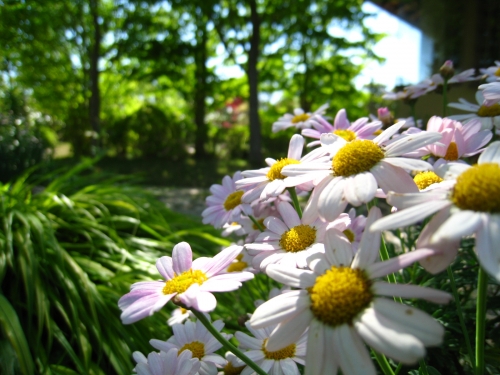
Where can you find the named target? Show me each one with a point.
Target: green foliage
(68, 252)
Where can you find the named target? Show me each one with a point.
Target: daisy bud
(447, 70)
(385, 116)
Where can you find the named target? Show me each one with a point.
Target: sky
(401, 48)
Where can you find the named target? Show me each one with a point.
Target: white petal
(317, 350)
(182, 257)
(289, 331)
(411, 291)
(331, 201)
(397, 263)
(412, 142)
(282, 307)
(410, 320)
(289, 215)
(338, 249)
(487, 240)
(369, 246)
(295, 147)
(391, 178)
(408, 216)
(491, 154)
(293, 277)
(275, 225)
(402, 201)
(360, 188)
(352, 354)
(409, 164)
(459, 224)
(385, 338)
(388, 133)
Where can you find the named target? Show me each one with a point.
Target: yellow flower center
(348, 135)
(497, 72)
(356, 157)
(298, 238)
(237, 266)
(196, 347)
(451, 152)
(425, 179)
(300, 118)
(233, 200)
(350, 235)
(261, 222)
(275, 171)
(339, 295)
(478, 188)
(183, 310)
(378, 132)
(287, 352)
(181, 283)
(229, 369)
(491, 111)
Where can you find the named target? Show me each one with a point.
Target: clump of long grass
(70, 245)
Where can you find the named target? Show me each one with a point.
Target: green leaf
(12, 329)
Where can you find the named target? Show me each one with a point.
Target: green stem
(456, 297)
(482, 284)
(384, 255)
(257, 224)
(295, 200)
(383, 363)
(226, 344)
(398, 369)
(445, 96)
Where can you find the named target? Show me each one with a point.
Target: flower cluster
(309, 222)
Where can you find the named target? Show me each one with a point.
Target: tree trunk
(255, 156)
(200, 91)
(95, 98)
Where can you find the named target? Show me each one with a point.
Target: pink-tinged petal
(201, 301)
(268, 246)
(226, 282)
(385, 338)
(280, 308)
(338, 248)
(458, 225)
(216, 359)
(295, 147)
(291, 276)
(409, 164)
(341, 121)
(222, 260)
(368, 252)
(391, 178)
(144, 307)
(318, 350)
(402, 201)
(164, 266)
(331, 201)
(289, 215)
(200, 263)
(409, 320)
(265, 258)
(412, 142)
(487, 240)
(273, 189)
(397, 263)
(408, 216)
(275, 225)
(289, 331)
(254, 193)
(476, 141)
(147, 288)
(360, 188)
(388, 133)
(182, 257)
(382, 288)
(352, 354)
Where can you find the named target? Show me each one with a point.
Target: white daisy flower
(359, 129)
(300, 119)
(489, 116)
(166, 363)
(225, 204)
(342, 304)
(288, 241)
(194, 337)
(232, 366)
(470, 201)
(492, 73)
(358, 168)
(268, 182)
(278, 362)
(491, 93)
(179, 315)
